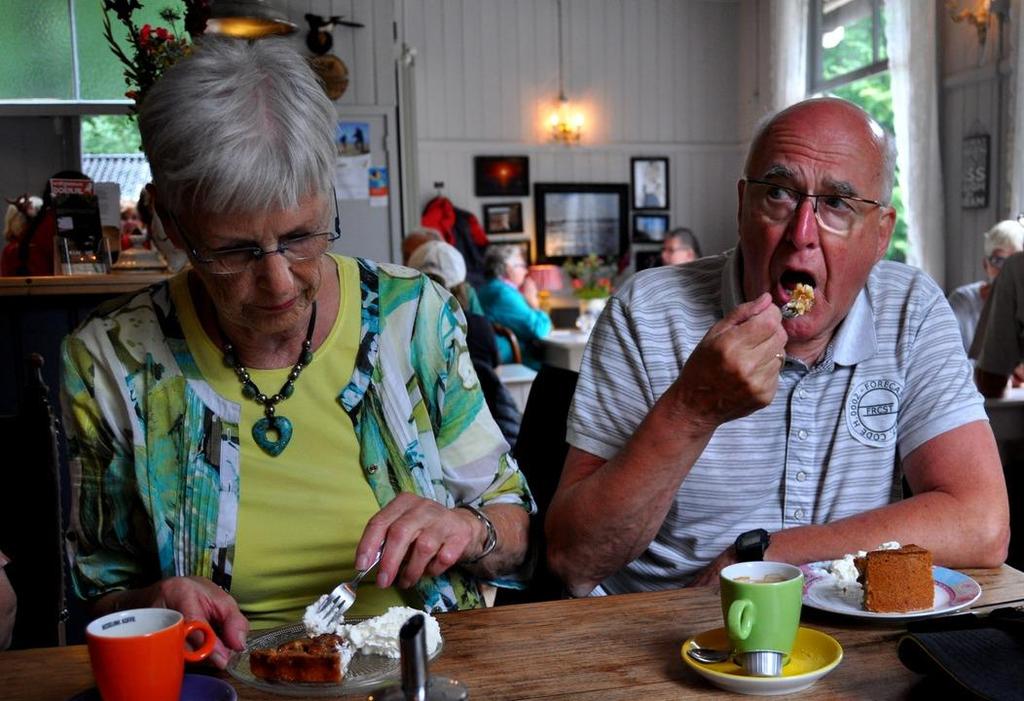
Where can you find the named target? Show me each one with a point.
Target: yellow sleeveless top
(300, 514)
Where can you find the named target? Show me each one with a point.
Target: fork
(343, 596)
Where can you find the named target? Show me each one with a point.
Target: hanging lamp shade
(248, 19)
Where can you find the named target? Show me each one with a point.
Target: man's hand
(196, 598)
(734, 370)
(422, 537)
(709, 575)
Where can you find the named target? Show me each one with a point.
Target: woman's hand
(196, 598)
(530, 293)
(422, 537)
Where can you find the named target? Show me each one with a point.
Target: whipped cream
(379, 635)
(845, 572)
(374, 636)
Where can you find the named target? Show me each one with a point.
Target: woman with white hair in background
(509, 297)
(1001, 241)
(251, 432)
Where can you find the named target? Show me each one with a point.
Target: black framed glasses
(837, 214)
(232, 261)
(996, 261)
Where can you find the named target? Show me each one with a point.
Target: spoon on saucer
(707, 655)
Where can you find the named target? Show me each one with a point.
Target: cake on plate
(323, 658)
(897, 580)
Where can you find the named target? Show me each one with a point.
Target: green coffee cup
(761, 606)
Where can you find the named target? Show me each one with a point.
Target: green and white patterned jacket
(155, 452)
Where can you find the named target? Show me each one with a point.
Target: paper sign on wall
(351, 176)
(378, 186)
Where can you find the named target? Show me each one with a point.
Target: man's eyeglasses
(837, 214)
(231, 261)
(996, 261)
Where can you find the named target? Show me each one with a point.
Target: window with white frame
(847, 58)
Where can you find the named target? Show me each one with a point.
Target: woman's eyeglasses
(232, 261)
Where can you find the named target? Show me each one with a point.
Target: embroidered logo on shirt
(872, 410)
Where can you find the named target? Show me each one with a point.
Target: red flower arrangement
(152, 49)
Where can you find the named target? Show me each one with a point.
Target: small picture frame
(650, 227)
(646, 259)
(649, 182)
(504, 218)
(501, 176)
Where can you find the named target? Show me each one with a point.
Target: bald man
(707, 429)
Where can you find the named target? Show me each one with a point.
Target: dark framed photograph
(649, 180)
(505, 218)
(502, 176)
(650, 227)
(646, 259)
(577, 219)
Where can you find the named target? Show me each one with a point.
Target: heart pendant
(262, 428)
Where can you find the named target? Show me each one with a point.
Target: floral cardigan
(155, 451)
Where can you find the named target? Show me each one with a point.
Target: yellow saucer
(815, 654)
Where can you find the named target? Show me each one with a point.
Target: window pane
(847, 48)
(107, 133)
(874, 94)
(102, 74)
(36, 41)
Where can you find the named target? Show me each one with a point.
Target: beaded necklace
(271, 421)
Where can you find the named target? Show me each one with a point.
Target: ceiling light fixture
(565, 122)
(248, 19)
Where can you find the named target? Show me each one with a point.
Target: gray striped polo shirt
(894, 376)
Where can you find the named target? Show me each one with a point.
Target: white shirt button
(802, 434)
(802, 393)
(798, 514)
(801, 476)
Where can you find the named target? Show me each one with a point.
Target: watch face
(751, 545)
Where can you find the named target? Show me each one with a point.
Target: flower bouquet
(591, 276)
(592, 284)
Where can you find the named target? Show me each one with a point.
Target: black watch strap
(751, 545)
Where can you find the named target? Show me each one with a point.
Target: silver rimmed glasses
(837, 214)
(232, 261)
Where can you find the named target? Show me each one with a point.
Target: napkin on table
(983, 655)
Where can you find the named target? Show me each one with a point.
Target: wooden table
(607, 649)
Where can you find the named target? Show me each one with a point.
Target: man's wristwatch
(750, 546)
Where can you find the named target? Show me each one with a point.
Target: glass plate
(365, 672)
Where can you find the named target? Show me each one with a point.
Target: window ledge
(61, 108)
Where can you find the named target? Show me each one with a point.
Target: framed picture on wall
(505, 218)
(650, 227)
(649, 180)
(577, 219)
(501, 176)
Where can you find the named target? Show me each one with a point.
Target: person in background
(416, 238)
(443, 264)
(707, 429)
(680, 246)
(998, 346)
(1001, 241)
(510, 298)
(254, 430)
(8, 605)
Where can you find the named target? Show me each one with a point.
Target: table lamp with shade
(547, 278)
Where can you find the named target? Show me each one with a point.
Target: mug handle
(741, 618)
(209, 640)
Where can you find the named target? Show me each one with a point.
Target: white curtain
(1015, 148)
(910, 33)
(787, 49)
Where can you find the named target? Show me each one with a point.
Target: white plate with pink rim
(953, 591)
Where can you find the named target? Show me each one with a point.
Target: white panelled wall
(653, 77)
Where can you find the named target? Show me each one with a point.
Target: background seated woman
(249, 433)
(509, 298)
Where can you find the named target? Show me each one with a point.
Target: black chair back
(541, 451)
(31, 527)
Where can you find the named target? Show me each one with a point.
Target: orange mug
(140, 653)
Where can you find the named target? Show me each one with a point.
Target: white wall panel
(655, 77)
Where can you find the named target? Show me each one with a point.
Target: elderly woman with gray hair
(251, 432)
(509, 298)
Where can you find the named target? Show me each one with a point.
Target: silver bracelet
(492, 535)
